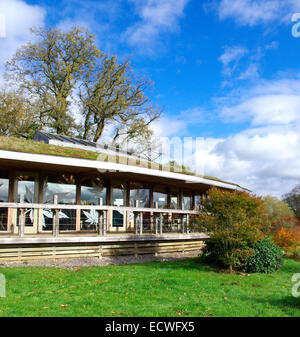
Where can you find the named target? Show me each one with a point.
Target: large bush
(289, 222)
(288, 240)
(235, 222)
(267, 257)
(277, 209)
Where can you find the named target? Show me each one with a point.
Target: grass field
(172, 288)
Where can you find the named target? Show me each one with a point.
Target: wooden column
(182, 223)
(21, 217)
(141, 223)
(156, 220)
(55, 227)
(100, 218)
(78, 211)
(10, 211)
(161, 224)
(104, 223)
(151, 198)
(187, 223)
(40, 201)
(136, 220)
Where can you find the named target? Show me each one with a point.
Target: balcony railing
(145, 220)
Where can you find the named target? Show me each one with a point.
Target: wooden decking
(44, 247)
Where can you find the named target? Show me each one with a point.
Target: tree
(114, 96)
(277, 209)
(233, 221)
(18, 115)
(50, 68)
(293, 200)
(65, 71)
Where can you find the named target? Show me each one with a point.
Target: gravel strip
(75, 263)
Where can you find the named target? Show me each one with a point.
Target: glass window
(161, 199)
(118, 219)
(27, 187)
(4, 188)
(4, 183)
(187, 202)
(174, 201)
(91, 191)
(63, 186)
(197, 201)
(118, 196)
(142, 195)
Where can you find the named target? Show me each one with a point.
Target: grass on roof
(30, 146)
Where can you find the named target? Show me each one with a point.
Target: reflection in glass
(161, 199)
(118, 196)
(187, 202)
(142, 195)
(64, 187)
(197, 201)
(91, 191)
(174, 201)
(4, 190)
(27, 187)
(118, 219)
(4, 183)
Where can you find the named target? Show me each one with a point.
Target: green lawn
(176, 288)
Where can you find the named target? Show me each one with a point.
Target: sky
(227, 71)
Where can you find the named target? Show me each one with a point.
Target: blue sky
(225, 70)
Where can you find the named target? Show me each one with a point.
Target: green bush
(233, 221)
(267, 257)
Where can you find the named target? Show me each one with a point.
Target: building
(62, 196)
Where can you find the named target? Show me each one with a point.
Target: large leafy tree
(293, 200)
(66, 72)
(50, 69)
(18, 115)
(277, 209)
(114, 96)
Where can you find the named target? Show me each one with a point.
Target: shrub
(233, 221)
(267, 257)
(289, 222)
(288, 240)
(277, 209)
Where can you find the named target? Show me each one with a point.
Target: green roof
(30, 146)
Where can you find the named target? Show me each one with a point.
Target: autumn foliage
(235, 221)
(288, 240)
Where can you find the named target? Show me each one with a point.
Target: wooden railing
(102, 218)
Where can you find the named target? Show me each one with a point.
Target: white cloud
(266, 156)
(254, 12)
(156, 17)
(169, 127)
(269, 102)
(232, 54)
(19, 18)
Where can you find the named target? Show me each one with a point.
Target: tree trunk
(99, 130)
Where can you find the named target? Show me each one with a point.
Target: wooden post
(136, 204)
(182, 223)
(141, 223)
(156, 220)
(161, 224)
(187, 223)
(21, 217)
(100, 219)
(104, 222)
(170, 221)
(55, 227)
